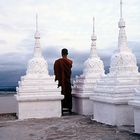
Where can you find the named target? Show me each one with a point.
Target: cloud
(65, 23)
(3, 42)
(62, 24)
(13, 61)
(14, 65)
(51, 53)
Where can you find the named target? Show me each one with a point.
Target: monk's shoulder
(70, 60)
(57, 61)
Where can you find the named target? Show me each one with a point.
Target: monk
(62, 71)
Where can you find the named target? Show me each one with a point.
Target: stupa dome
(93, 65)
(37, 65)
(123, 61)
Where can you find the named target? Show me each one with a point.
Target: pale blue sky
(65, 23)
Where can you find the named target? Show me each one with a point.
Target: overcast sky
(65, 23)
(62, 23)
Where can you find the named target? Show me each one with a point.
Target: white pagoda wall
(135, 103)
(37, 92)
(113, 91)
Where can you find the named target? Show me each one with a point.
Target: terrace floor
(68, 127)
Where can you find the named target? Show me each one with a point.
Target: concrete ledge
(39, 98)
(134, 103)
(111, 100)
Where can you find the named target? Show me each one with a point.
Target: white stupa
(37, 94)
(113, 91)
(84, 84)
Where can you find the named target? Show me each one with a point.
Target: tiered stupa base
(81, 104)
(136, 106)
(83, 89)
(113, 112)
(84, 84)
(38, 97)
(39, 107)
(111, 100)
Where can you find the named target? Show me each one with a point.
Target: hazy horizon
(12, 70)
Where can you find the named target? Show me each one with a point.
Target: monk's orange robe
(62, 71)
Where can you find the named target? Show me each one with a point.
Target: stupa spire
(93, 52)
(122, 39)
(37, 48)
(120, 8)
(93, 25)
(36, 22)
(93, 64)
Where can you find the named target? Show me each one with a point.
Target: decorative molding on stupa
(93, 66)
(37, 66)
(37, 81)
(123, 61)
(123, 76)
(93, 69)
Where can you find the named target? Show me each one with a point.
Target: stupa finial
(120, 8)
(37, 49)
(122, 39)
(93, 25)
(37, 34)
(93, 52)
(36, 22)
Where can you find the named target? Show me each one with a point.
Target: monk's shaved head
(64, 52)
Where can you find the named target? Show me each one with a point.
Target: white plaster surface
(84, 84)
(113, 91)
(137, 120)
(113, 113)
(39, 108)
(82, 105)
(135, 103)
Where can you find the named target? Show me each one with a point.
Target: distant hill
(9, 79)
